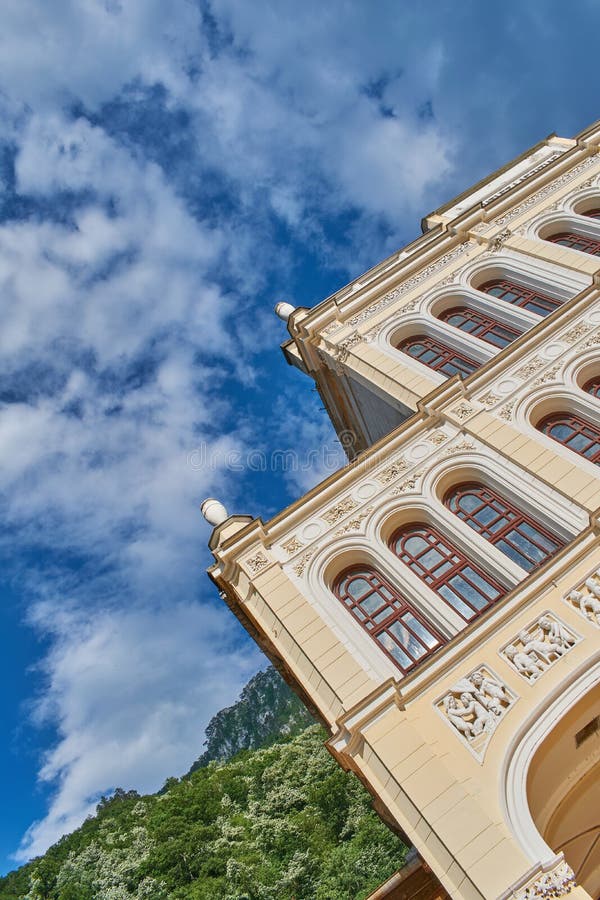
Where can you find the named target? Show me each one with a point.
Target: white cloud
(128, 316)
(128, 691)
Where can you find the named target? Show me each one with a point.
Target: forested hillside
(274, 823)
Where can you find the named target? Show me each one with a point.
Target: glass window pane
(426, 636)
(514, 554)
(392, 647)
(358, 587)
(373, 603)
(457, 602)
(431, 559)
(469, 502)
(538, 537)
(415, 545)
(468, 591)
(480, 582)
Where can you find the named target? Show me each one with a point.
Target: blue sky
(167, 173)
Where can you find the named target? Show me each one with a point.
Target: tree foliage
(281, 823)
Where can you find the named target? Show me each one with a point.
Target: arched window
(519, 536)
(576, 242)
(592, 213)
(387, 616)
(593, 386)
(519, 295)
(480, 326)
(575, 433)
(438, 356)
(445, 569)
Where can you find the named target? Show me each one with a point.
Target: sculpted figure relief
(535, 648)
(587, 601)
(474, 706)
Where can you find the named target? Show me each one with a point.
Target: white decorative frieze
(437, 437)
(554, 185)
(576, 333)
(498, 241)
(507, 410)
(556, 882)
(490, 399)
(548, 376)
(355, 523)
(530, 368)
(474, 706)
(410, 283)
(408, 485)
(342, 351)
(463, 411)
(304, 560)
(257, 563)
(538, 646)
(340, 509)
(460, 447)
(390, 473)
(586, 599)
(292, 545)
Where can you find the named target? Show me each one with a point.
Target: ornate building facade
(436, 602)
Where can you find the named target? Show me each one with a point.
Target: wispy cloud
(167, 172)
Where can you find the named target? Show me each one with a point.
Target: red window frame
(399, 630)
(481, 326)
(592, 213)
(444, 359)
(576, 242)
(519, 295)
(445, 569)
(592, 386)
(503, 524)
(584, 438)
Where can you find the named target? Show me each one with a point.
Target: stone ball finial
(213, 511)
(284, 310)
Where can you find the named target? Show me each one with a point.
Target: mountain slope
(279, 823)
(267, 709)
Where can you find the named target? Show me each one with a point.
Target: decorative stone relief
(392, 472)
(537, 647)
(545, 191)
(497, 243)
(304, 560)
(474, 706)
(355, 523)
(557, 882)
(586, 599)
(506, 411)
(291, 545)
(461, 447)
(591, 342)
(410, 283)
(257, 563)
(437, 437)
(579, 331)
(530, 368)
(489, 399)
(550, 375)
(342, 351)
(340, 509)
(409, 485)
(463, 411)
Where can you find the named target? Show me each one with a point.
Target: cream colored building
(437, 601)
